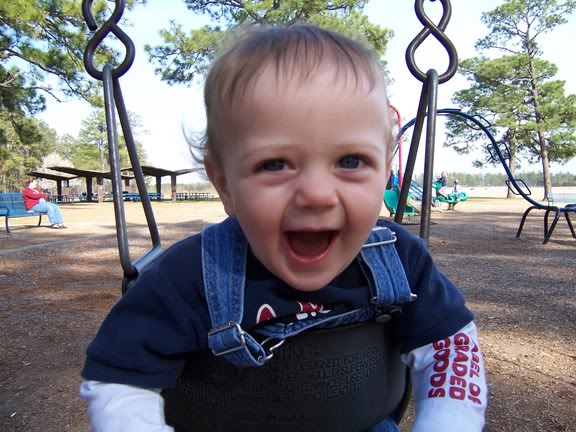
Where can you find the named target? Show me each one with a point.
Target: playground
(57, 286)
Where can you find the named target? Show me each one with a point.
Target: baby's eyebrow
(264, 145)
(359, 144)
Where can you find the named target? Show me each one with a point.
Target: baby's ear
(218, 179)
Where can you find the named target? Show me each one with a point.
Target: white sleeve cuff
(438, 415)
(123, 408)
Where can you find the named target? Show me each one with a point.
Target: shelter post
(173, 186)
(159, 184)
(89, 189)
(100, 183)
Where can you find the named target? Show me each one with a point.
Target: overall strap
(388, 274)
(224, 250)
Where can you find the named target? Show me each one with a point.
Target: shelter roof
(86, 173)
(160, 172)
(51, 176)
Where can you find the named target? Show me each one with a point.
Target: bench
(135, 196)
(12, 206)
(196, 196)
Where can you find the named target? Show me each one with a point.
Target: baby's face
(304, 168)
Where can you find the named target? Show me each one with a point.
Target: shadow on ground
(57, 288)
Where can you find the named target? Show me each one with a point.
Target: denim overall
(224, 250)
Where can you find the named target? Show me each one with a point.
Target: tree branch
(10, 80)
(44, 89)
(506, 49)
(27, 60)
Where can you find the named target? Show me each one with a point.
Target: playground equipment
(391, 197)
(416, 191)
(451, 198)
(427, 108)
(399, 144)
(394, 389)
(500, 153)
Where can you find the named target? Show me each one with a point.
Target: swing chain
(438, 32)
(114, 105)
(109, 26)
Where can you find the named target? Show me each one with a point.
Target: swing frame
(114, 105)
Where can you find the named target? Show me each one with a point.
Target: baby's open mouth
(310, 244)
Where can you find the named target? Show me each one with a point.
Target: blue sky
(166, 110)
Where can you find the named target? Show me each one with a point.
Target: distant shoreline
(501, 192)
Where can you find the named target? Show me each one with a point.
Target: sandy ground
(57, 285)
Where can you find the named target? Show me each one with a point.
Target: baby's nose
(316, 190)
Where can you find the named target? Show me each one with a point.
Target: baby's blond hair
(295, 52)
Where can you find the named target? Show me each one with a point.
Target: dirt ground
(57, 285)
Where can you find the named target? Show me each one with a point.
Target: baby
(299, 146)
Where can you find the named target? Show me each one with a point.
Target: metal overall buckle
(384, 242)
(264, 359)
(230, 326)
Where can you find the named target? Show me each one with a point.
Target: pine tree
(41, 48)
(183, 56)
(516, 91)
(90, 149)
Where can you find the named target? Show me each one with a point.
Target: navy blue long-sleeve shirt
(147, 335)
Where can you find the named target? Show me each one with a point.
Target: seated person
(457, 187)
(35, 199)
(443, 179)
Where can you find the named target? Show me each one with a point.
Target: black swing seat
(342, 379)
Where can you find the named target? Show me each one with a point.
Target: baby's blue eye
(349, 162)
(274, 165)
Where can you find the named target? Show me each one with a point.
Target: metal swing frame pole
(114, 104)
(427, 108)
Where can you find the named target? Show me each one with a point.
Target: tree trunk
(545, 166)
(512, 163)
(512, 166)
(101, 150)
(539, 129)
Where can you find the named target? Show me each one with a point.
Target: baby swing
(319, 392)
